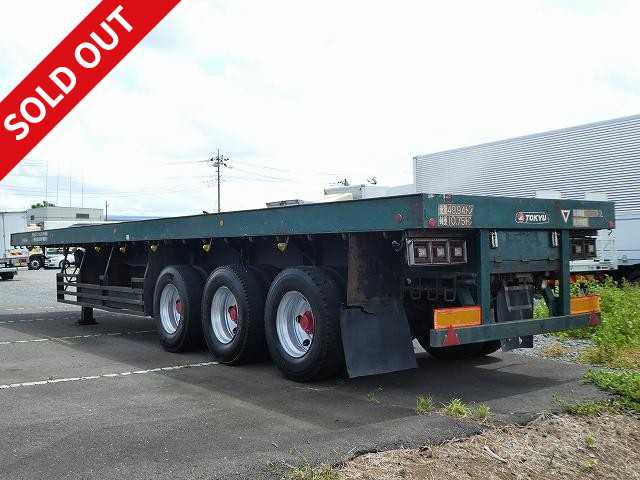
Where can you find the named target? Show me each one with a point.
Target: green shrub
(625, 383)
(617, 338)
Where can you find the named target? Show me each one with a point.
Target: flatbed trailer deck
(321, 285)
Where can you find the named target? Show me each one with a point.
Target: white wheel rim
(295, 324)
(171, 309)
(224, 315)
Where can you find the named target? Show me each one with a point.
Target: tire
(203, 272)
(182, 288)
(487, 348)
(634, 277)
(7, 276)
(455, 352)
(460, 352)
(265, 274)
(339, 275)
(323, 356)
(233, 315)
(35, 263)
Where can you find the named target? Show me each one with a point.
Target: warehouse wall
(600, 157)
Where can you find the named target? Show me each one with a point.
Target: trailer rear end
(323, 286)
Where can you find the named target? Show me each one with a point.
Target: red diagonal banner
(71, 71)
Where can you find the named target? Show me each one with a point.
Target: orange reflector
(457, 317)
(585, 304)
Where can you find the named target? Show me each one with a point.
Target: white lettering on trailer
(587, 213)
(39, 236)
(581, 222)
(455, 215)
(565, 215)
(532, 217)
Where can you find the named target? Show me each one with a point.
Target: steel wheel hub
(170, 309)
(224, 315)
(295, 324)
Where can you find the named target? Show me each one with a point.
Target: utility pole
(106, 209)
(218, 162)
(46, 185)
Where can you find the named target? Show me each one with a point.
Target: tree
(43, 204)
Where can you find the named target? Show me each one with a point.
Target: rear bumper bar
(515, 328)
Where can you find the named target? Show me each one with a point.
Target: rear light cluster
(436, 251)
(582, 248)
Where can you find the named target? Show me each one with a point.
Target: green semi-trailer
(321, 286)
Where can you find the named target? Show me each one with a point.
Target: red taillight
(436, 251)
(457, 251)
(432, 222)
(439, 252)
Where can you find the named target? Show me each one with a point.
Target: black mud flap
(515, 303)
(377, 339)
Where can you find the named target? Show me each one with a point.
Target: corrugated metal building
(602, 157)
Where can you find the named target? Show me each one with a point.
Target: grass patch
(585, 407)
(482, 412)
(554, 350)
(617, 338)
(424, 404)
(306, 472)
(456, 408)
(615, 357)
(589, 465)
(371, 397)
(625, 383)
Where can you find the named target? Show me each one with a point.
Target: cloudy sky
(301, 94)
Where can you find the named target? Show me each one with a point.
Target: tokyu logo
(532, 217)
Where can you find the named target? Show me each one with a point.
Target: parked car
(57, 261)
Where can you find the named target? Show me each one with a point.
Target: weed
(423, 405)
(589, 464)
(554, 350)
(482, 412)
(456, 408)
(306, 472)
(371, 397)
(590, 442)
(585, 407)
(617, 338)
(625, 383)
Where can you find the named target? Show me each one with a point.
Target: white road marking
(74, 337)
(23, 320)
(105, 375)
(54, 307)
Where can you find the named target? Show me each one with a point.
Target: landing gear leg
(86, 316)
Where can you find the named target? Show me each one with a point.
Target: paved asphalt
(106, 404)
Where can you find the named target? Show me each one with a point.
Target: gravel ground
(548, 347)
